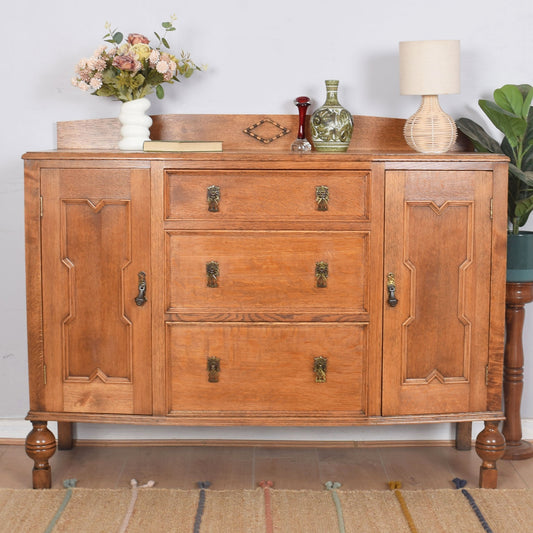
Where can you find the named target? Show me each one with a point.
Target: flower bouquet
(132, 69)
(129, 71)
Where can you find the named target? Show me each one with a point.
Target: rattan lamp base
(430, 130)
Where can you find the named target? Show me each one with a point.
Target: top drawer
(249, 195)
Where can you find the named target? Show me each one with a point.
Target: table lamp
(430, 68)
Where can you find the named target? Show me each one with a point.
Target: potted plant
(512, 114)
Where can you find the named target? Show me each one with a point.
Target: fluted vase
(135, 124)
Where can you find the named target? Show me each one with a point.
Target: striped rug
(265, 509)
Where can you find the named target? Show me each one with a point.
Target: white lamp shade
(429, 67)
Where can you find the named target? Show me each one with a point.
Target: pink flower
(154, 57)
(96, 63)
(125, 63)
(135, 38)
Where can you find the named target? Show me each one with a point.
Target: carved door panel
(437, 252)
(95, 244)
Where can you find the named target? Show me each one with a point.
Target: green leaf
(508, 150)
(511, 126)
(165, 42)
(524, 176)
(159, 91)
(509, 98)
(157, 35)
(105, 90)
(166, 25)
(524, 88)
(527, 103)
(523, 209)
(482, 141)
(527, 161)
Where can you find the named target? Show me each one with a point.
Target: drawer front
(267, 196)
(261, 271)
(267, 368)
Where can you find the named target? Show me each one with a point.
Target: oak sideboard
(256, 286)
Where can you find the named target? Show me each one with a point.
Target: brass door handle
(321, 274)
(212, 271)
(213, 369)
(320, 368)
(213, 198)
(140, 299)
(322, 197)
(391, 288)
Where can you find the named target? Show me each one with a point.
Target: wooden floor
(233, 467)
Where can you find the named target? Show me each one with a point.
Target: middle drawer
(267, 271)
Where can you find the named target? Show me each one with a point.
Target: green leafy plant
(132, 69)
(512, 114)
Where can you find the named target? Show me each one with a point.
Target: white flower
(96, 82)
(162, 67)
(84, 86)
(82, 64)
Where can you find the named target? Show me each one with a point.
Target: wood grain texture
(34, 313)
(437, 244)
(370, 133)
(264, 196)
(268, 367)
(95, 241)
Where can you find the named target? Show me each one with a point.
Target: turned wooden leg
(64, 435)
(490, 446)
(463, 435)
(517, 295)
(40, 446)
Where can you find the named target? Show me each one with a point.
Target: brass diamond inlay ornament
(268, 127)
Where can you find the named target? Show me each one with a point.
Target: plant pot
(520, 256)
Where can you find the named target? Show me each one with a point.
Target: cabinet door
(95, 242)
(438, 248)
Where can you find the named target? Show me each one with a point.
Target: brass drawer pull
(140, 299)
(321, 274)
(212, 271)
(213, 369)
(322, 197)
(320, 368)
(391, 288)
(213, 198)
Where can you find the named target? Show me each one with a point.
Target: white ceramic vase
(135, 124)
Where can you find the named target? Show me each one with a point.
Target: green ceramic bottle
(331, 124)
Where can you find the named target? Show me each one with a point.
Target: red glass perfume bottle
(301, 144)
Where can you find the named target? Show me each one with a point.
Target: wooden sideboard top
(314, 159)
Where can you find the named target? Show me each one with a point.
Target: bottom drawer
(267, 368)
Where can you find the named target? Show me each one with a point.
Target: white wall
(260, 56)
